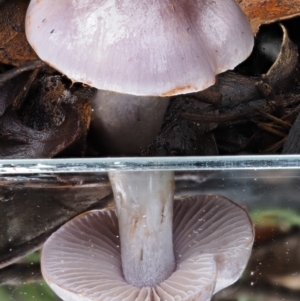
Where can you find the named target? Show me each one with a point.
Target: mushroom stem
(144, 202)
(126, 123)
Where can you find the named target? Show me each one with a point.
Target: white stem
(144, 202)
(125, 123)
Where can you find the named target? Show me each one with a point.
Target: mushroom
(212, 239)
(143, 48)
(125, 124)
(152, 50)
(157, 48)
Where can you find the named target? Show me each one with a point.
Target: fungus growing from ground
(156, 49)
(142, 47)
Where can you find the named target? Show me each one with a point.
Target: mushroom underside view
(212, 242)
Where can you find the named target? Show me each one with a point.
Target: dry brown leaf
(267, 11)
(14, 48)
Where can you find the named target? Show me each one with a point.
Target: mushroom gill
(212, 240)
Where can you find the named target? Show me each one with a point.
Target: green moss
(276, 217)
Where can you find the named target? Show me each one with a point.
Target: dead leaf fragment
(14, 48)
(281, 74)
(267, 11)
(21, 142)
(39, 206)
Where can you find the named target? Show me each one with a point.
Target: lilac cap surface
(140, 47)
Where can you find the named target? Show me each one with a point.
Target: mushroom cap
(140, 47)
(212, 238)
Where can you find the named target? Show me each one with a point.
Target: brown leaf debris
(267, 11)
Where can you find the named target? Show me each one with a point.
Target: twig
(275, 119)
(214, 119)
(270, 129)
(28, 66)
(275, 147)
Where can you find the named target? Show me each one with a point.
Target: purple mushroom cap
(141, 47)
